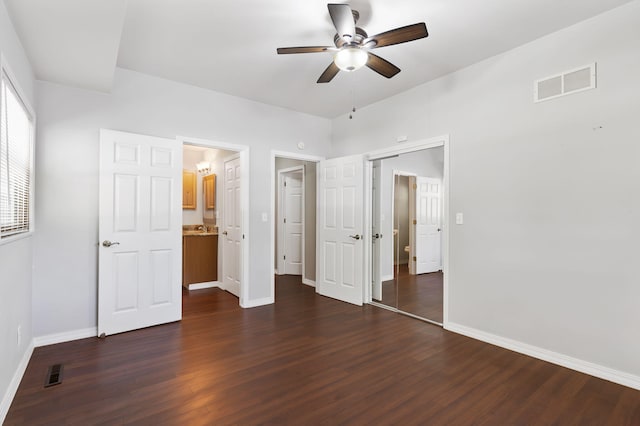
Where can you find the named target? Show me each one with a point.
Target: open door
(232, 234)
(340, 229)
(291, 222)
(140, 229)
(428, 225)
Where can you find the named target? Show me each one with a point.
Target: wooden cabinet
(209, 188)
(199, 259)
(189, 188)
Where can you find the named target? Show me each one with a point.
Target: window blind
(15, 162)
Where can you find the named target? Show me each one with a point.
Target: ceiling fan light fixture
(350, 58)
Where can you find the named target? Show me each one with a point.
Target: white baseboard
(387, 278)
(200, 286)
(67, 336)
(257, 302)
(7, 399)
(308, 282)
(596, 370)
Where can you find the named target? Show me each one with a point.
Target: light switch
(264, 216)
(459, 219)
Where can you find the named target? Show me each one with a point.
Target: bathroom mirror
(407, 233)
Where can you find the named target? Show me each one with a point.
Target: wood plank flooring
(306, 360)
(420, 295)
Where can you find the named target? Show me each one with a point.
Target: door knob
(107, 243)
(224, 233)
(355, 237)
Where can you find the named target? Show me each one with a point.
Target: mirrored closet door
(407, 233)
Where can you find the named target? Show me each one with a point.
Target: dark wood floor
(420, 295)
(306, 360)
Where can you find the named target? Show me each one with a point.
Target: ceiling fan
(353, 46)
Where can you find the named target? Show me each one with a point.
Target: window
(16, 145)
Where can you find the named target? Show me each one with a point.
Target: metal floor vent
(54, 375)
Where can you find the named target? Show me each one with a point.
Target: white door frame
(403, 149)
(280, 212)
(272, 222)
(244, 152)
(395, 173)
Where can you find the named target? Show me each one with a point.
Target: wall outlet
(19, 335)
(459, 219)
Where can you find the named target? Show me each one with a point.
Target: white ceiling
(231, 46)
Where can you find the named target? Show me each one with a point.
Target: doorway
(290, 221)
(293, 213)
(202, 216)
(222, 191)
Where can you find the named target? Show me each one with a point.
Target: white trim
(10, 393)
(257, 302)
(572, 363)
(245, 203)
(67, 336)
(16, 237)
(405, 148)
(14, 81)
(386, 278)
(296, 156)
(4, 66)
(308, 282)
(272, 223)
(200, 286)
(393, 151)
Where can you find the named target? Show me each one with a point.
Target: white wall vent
(566, 83)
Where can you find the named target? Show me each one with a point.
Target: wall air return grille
(566, 83)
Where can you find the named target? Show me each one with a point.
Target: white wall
(16, 256)
(548, 252)
(65, 254)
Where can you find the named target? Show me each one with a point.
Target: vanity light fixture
(203, 167)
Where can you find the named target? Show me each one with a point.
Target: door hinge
(284, 257)
(285, 183)
(415, 186)
(415, 259)
(243, 236)
(285, 220)
(415, 222)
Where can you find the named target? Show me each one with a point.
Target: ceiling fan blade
(399, 35)
(307, 49)
(329, 73)
(343, 20)
(382, 66)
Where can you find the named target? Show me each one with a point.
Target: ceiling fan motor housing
(357, 39)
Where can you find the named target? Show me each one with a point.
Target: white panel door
(140, 231)
(232, 233)
(340, 228)
(293, 223)
(428, 214)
